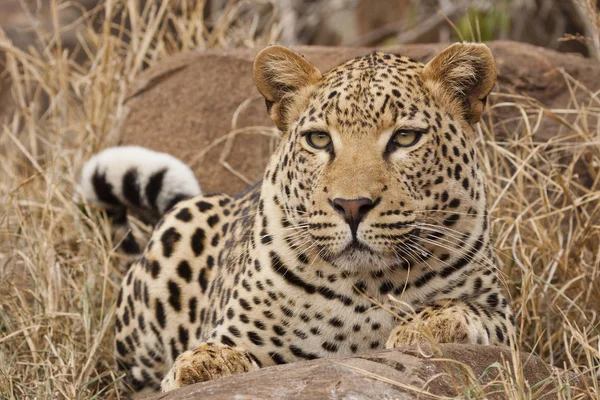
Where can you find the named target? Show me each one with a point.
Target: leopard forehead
(377, 71)
(367, 94)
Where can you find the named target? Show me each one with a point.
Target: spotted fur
(356, 246)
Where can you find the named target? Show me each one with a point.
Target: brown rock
(186, 104)
(391, 374)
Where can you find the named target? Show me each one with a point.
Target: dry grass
(546, 218)
(59, 270)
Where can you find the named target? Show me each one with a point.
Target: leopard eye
(406, 138)
(318, 140)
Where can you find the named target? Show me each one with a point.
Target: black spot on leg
(499, 334)
(203, 280)
(213, 220)
(234, 331)
(454, 203)
(174, 295)
(161, 317)
(169, 239)
(277, 358)
(279, 330)
(193, 304)
(330, 347)
(142, 322)
(198, 241)
(336, 322)
(184, 271)
(245, 305)
(122, 349)
(230, 313)
(445, 196)
(226, 340)
(210, 262)
(203, 206)
(154, 269)
(184, 215)
(386, 287)
(255, 338)
(184, 337)
(492, 300)
(298, 352)
(120, 298)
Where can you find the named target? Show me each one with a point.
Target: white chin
(360, 260)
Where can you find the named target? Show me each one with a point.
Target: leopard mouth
(356, 254)
(361, 253)
(358, 246)
(353, 250)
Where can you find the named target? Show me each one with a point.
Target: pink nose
(353, 210)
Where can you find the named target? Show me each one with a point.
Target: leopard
(369, 230)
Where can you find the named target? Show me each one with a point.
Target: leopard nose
(353, 210)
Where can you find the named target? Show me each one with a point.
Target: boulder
(451, 370)
(203, 107)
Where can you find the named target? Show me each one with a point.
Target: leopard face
(375, 166)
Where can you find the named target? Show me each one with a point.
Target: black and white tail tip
(133, 178)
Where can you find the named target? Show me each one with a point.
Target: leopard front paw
(206, 362)
(440, 328)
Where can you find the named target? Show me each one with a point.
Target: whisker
(487, 262)
(466, 214)
(446, 231)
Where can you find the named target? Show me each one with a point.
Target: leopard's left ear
(463, 74)
(279, 74)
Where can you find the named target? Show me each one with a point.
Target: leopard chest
(281, 316)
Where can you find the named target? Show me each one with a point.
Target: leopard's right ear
(462, 75)
(279, 73)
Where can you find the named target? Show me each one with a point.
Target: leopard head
(377, 165)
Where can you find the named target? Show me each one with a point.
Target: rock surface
(391, 374)
(185, 104)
